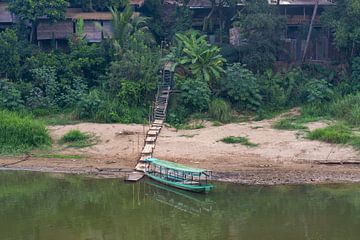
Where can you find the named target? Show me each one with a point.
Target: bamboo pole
(310, 30)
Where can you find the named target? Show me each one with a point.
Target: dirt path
(281, 156)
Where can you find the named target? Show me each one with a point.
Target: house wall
(92, 33)
(59, 30)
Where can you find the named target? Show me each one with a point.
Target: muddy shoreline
(280, 157)
(252, 176)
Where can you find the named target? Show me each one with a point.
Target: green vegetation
(220, 111)
(78, 139)
(20, 134)
(338, 133)
(288, 124)
(241, 140)
(116, 80)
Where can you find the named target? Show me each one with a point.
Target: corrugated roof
(137, 2)
(77, 13)
(5, 15)
(301, 2)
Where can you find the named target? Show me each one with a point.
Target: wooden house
(6, 18)
(298, 14)
(56, 34)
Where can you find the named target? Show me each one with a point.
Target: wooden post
(310, 30)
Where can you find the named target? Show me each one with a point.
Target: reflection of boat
(187, 202)
(177, 175)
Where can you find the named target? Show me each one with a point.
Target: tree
(342, 19)
(126, 24)
(9, 54)
(261, 27)
(30, 10)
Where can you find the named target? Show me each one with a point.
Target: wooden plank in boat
(134, 176)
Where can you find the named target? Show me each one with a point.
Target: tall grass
(220, 110)
(338, 134)
(347, 109)
(288, 124)
(20, 134)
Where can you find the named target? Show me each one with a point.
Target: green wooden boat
(177, 175)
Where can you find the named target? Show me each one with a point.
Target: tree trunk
(33, 32)
(208, 17)
(310, 30)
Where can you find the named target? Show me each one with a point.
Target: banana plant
(198, 56)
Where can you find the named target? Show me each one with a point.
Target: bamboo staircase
(158, 117)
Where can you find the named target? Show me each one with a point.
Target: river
(38, 206)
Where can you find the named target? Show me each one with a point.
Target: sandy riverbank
(282, 157)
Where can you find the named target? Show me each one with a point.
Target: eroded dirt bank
(281, 157)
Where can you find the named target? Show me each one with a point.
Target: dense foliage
(19, 133)
(116, 80)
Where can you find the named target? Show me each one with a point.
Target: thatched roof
(5, 15)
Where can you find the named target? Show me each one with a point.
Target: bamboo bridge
(157, 122)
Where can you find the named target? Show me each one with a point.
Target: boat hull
(187, 187)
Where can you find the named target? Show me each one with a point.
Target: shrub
(242, 140)
(317, 91)
(195, 95)
(271, 90)
(21, 133)
(220, 110)
(88, 107)
(10, 96)
(338, 133)
(76, 138)
(240, 85)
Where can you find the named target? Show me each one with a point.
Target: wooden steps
(159, 116)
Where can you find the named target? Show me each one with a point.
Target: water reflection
(192, 203)
(43, 207)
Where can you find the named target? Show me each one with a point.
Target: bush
(20, 134)
(220, 110)
(195, 95)
(10, 96)
(240, 85)
(76, 138)
(338, 133)
(271, 90)
(317, 91)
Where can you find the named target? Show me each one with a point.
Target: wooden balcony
(301, 19)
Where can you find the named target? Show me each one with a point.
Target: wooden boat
(177, 175)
